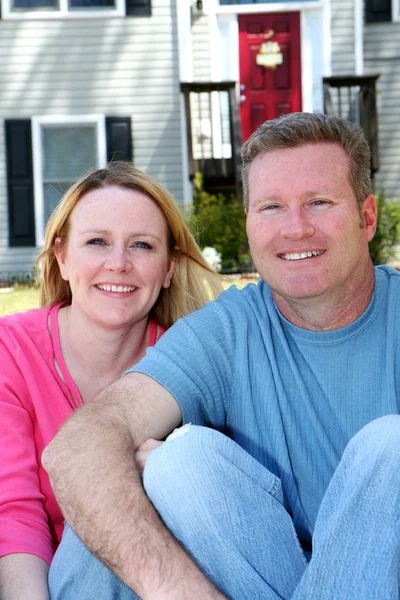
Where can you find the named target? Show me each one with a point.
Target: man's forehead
(309, 168)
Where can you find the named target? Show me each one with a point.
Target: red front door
(267, 92)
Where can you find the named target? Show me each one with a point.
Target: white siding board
(382, 55)
(343, 43)
(201, 48)
(113, 66)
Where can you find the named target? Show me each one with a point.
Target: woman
(118, 267)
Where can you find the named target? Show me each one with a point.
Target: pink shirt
(34, 403)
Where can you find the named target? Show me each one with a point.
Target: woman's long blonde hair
(193, 282)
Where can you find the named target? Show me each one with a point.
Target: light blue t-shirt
(290, 397)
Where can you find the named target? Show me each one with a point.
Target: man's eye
(95, 242)
(271, 207)
(319, 202)
(143, 245)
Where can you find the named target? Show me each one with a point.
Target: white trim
(185, 57)
(57, 120)
(306, 65)
(395, 10)
(85, 13)
(327, 39)
(185, 53)
(358, 36)
(267, 7)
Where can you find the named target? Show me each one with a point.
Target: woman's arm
(23, 576)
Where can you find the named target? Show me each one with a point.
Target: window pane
(68, 152)
(34, 4)
(53, 193)
(91, 4)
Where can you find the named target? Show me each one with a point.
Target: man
(299, 499)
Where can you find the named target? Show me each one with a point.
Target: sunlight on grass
(24, 298)
(19, 299)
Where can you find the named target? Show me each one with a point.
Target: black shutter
(21, 212)
(138, 8)
(119, 138)
(377, 11)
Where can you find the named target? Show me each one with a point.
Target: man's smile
(300, 255)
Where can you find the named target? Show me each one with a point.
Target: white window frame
(395, 10)
(63, 11)
(37, 148)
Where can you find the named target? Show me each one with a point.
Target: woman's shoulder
(31, 324)
(27, 319)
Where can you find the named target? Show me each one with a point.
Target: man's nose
(297, 225)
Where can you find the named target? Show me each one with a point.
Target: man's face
(304, 225)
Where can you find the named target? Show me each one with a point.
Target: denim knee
(378, 442)
(179, 456)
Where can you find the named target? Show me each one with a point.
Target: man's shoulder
(387, 276)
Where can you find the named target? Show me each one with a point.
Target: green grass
(23, 298)
(19, 299)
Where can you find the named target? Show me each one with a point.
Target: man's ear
(370, 215)
(60, 254)
(173, 261)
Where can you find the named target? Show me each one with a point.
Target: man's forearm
(91, 464)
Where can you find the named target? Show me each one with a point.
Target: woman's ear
(173, 261)
(60, 254)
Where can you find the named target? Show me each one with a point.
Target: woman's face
(116, 258)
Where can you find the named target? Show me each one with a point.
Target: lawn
(19, 299)
(27, 297)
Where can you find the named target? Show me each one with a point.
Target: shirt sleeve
(23, 519)
(193, 361)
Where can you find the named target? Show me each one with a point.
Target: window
(63, 149)
(378, 11)
(50, 9)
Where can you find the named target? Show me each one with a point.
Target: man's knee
(180, 461)
(378, 442)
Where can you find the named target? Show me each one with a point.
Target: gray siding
(201, 48)
(342, 30)
(382, 55)
(113, 66)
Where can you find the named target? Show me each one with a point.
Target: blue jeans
(227, 511)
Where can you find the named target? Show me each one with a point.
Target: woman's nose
(119, 260)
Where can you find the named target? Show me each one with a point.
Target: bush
(218, 221)
(387, 237)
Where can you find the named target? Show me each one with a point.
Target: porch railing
(354, 98)
(213, 133)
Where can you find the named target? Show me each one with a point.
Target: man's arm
(91, 463)
(23, 576)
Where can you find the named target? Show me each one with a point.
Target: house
(175, 85)
(339, 56)
(82, 81)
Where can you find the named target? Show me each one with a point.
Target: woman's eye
(144, 245)
(95, 242)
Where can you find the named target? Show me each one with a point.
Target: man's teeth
(300, 255)
(116, 288)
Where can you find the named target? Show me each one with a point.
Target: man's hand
(144, 451)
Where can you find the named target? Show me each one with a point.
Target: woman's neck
(97, 356)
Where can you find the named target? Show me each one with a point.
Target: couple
(284, 480)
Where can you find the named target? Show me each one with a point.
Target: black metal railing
(213, 133)
(353, 97)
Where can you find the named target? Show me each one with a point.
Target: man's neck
(329, 311)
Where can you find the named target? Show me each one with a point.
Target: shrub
(218, 221)
(387, 237)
